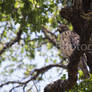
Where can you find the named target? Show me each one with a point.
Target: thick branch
(34, 74)
(72, 75)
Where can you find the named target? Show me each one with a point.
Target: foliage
(83, 85)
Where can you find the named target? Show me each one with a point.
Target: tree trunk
(80, 16)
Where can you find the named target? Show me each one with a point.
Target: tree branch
(34, 74)
(9, 44)
(51, 37)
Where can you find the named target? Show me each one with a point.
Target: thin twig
(14, 88)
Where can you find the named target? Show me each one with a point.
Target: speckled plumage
(69, 41)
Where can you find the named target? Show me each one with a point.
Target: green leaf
(55, 61)
(80, 74)
(49, 45)
(46, 60)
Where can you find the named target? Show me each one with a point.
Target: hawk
(69, 41)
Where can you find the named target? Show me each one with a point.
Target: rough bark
(80, 16)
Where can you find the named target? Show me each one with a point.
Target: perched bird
(69, 41)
